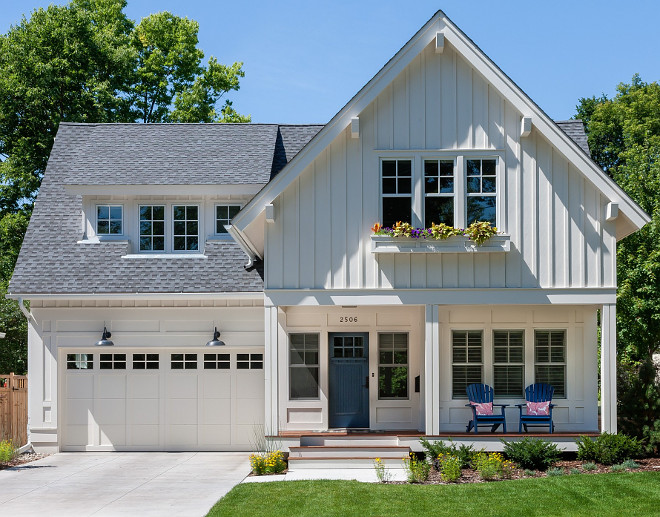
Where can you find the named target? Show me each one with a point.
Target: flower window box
(454, 244)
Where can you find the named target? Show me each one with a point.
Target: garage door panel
(181, 436)
(250, 385)
(242, 434)
(110, 411)
(144, 435)
(214, 434)
(114, 435)
(79, 411)
(143, 411)
(249, 412)
(181, 386)
(181, 411)
(77, 435)
(216, 411)
(144, 386)
(111, 386)
(217, 384)
(79, 385)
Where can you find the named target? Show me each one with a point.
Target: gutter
(248, 248)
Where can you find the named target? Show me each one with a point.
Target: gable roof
(634, 216)
(575, 130)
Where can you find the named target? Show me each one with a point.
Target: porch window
(550, 359)
(393, 366)
(396, 189)
(508, 363)
(481, 192)
(438, 192)
(467, 360)
(303, 366)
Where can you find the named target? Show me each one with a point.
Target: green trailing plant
(554, 471)
(575, 470)
(588, 466)
(532, 453)
(630, 464)
(450, 468)
(480, 231)
(416, 469)
(608, 449)
(443, 231)
(618, 468)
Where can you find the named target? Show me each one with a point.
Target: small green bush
(589, 466)
(618, 468)
(575, 471)
(7, 451)
(532, 453)
(608, 449)
(417, 470)
(463, 452)
(530, 473)
(554, 471)
(630, 464)
(450, 468)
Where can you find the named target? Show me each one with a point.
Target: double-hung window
(152, 227)
(550, 359)
(185, 219)
(223, 216)
(467, 360)
(396, 188)
(508, 363)
(481, 190)
(303, 366)
(392, 366)
(109, 219)
(438, 192)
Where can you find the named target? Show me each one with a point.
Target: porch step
(349, 451)
(332, 462)
(361, 440)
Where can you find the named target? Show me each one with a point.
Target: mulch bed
(26, 457)
(472, 476)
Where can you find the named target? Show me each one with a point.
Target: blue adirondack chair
(481, 393)
(537, 393)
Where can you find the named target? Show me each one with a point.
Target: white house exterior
(325, 325)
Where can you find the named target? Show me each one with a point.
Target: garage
(192, 399)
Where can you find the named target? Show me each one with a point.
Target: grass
(607, 494)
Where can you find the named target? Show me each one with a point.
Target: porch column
(271, 421)
(431, 370)
(608, 368)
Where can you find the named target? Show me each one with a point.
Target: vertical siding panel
(576, 215)
(433, 95)
(307, 234)
(529, 212)
(448, 99)
(338, 210)
(434, 270)
(609, 247)
(479, 111)
(495, 119)
(275, 257)
(322, 201)
(482, 269)
(560, 208)
(355, 218)
(384, 119)
(449, 270)
(385, 269)
(463, 104)
(544, 218)
(416, 103)
(592, 235)
(418, 270)
(466, 270)
(290, 220)
(370, 175)
(402, 270)
(400, 113)
(512, 196)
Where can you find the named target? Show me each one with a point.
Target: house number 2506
(348, 319)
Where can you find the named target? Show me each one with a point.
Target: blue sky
(304, 60)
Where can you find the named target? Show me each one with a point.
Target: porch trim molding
(608, 414)
(441, 296)
(271, 377)
(431, 371)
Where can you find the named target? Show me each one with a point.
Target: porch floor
(418, 434)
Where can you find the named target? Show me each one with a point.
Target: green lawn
(580, 495)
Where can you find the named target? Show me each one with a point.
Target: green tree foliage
(88, 62)
(624, 136)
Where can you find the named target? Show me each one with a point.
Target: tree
(624, 137)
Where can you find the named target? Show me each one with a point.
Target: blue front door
(349, 379)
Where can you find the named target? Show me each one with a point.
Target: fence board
(13, 408)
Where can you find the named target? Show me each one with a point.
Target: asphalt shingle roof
(575, 130)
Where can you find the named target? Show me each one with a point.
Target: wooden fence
(13, 408)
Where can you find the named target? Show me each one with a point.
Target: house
(151, 237)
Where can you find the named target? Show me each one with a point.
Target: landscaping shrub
(463, 452)
(589, 466)
(608, 449)
(492, 466)
(417, 470)
(618, 468)
(7, 451)
(575, 470)
(269, 463)
(554, 471)
(450, 468)
(630, 464)
(530, 473)
(532, 453)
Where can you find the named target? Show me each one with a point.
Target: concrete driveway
(121, 483)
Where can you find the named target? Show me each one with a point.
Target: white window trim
(439, 194)
(138, 235)
(550, 362)
(200, 246)
(108, 236)
(498, 186)
(393, 365)
(521, 364)
(413, 182)
(217, 235)
(481, 365)
(289, 366)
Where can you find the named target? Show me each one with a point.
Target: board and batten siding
(555, 217)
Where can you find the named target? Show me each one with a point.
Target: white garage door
(164, 399)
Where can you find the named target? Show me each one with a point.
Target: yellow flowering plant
(269, 463)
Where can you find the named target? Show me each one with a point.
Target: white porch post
(271, 421)
(608, 369)
(431, 369)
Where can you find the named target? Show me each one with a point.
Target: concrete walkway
(121, 483)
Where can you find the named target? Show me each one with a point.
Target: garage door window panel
(79, 361)
(217, 361)
(250, 361)
(146, 361)
(112, 361)
(183, 362)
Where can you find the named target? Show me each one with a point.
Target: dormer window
(109, 219)
(152, 227)
(185, 220)
(223, 216)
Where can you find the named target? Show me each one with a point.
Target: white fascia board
(340, 121)
(137, 296)
(241, 239)
(491, 72)
(164, 190)
(505, 296)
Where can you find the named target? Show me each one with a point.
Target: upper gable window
(152, 227)
(223, 216)
(438, 192)
(396, 187)
(481, 191)
(109, 219)
(185, 219)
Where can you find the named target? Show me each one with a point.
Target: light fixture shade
(105, 339)
(216, 339)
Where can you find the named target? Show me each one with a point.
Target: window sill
(386, 244)
(165, 256)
